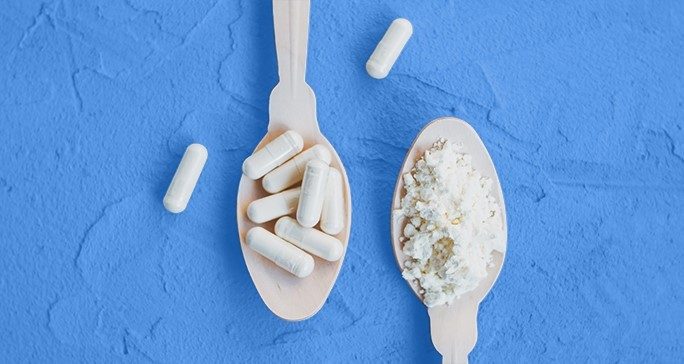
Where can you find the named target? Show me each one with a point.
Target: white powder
(453, 224)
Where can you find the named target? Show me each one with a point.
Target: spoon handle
(292, 103)
(291, 25)
(454, 329)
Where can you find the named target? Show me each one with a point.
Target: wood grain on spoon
(453, 327)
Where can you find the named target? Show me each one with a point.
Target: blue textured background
(579, 103)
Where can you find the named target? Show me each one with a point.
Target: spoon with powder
(292, 106)
(453, 326)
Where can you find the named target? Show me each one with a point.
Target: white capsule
(184, 181)
(311, 240)
(273, 206)
(280, 252)
(388, 50)
(313, 193)
(273, 154)
(293, 170)
(332, 216)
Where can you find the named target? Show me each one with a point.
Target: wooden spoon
(292, 106)
(453, 327)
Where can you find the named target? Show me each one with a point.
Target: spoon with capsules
(292, 106)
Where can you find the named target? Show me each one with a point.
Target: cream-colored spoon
(454, 327)
(292, 106)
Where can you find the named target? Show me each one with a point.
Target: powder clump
(453, 224)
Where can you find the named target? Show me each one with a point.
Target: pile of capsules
(320, 198)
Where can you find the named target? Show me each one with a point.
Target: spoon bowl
(292, 106)
(287, 296)
(453, 327)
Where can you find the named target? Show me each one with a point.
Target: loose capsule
(273, 154)
(332, 216)
(311, 240)
(280, 252)
(313, 193)
(273, 206)
(293, 170)
(185, 179)
(388, 50)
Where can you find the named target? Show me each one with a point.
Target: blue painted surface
(580, 104)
